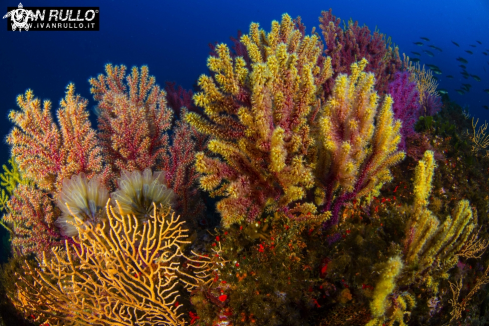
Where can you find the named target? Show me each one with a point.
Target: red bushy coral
(133, 118)
(346, 46)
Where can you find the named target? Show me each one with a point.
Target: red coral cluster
(133, 118)
(346, 46)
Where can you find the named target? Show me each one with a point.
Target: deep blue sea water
(172, 38)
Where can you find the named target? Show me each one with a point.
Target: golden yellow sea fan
(82, 198)
(138, 191)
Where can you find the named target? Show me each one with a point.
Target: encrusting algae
(287, 193)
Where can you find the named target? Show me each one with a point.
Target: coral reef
(314, 214)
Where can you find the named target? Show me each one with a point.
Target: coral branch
(133, 117)
(47, 154)
(355, 155)
(346, 46)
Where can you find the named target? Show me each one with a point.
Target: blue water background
(172, 38)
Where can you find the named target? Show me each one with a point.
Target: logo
(20, 18)
(52, 18)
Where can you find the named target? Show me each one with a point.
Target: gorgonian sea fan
(431, 104)
(406, 104)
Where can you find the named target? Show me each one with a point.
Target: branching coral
(384, 288)
(180, 171)
(258, 119)
(431, 243)
(431, 248)
(48, 154)
(31, 215)
(428, 97)
(132, 118)
(121, 273)
(355, 155)
(480, 138)
(9, 181)
(406, 104)
(348, 45)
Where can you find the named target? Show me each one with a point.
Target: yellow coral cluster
(355, 153)
(383, 289)
(429, 242)
(430, 249)
(266, 139)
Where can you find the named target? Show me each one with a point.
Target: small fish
(443, 91)
(455, 44)
(467, 85)
(437, 71)
(415, 53)
(479, 42)
(435, 47)
(425, 38)
(484, 53)
(460, 92)
(485, 107)
(418, 43)
(432, 67)
(487, 91)
(462, 66)
(476, 78)
(469, 52)
(450, 77)
(430, 54)
(436, 78)
(462, 60)
(472, 45)
(414, 60)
